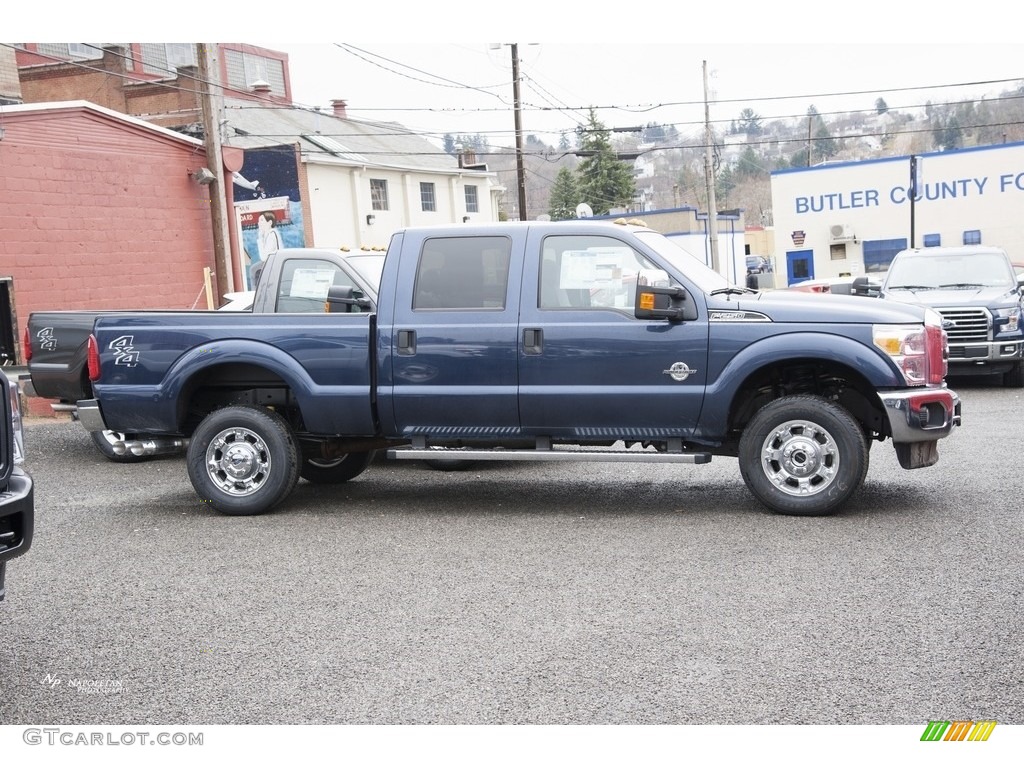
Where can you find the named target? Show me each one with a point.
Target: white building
(851, 218)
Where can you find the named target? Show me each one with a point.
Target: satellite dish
(584, 211)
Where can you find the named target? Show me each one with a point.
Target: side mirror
(345, 298)
(658, 302)
(862, 286)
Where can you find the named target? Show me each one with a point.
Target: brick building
(158, 82)
(98, 210)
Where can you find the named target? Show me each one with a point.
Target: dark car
(17, 510)
(758, 265)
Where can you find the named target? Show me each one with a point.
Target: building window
(244, 69)
(427, 200)
(838, 251)
(972, 237)
(932, 241)
(165, 58)
(379, 194)
(472, 204)
(878, 254)
(70, 50)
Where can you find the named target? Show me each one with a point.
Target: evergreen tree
(449, 144)
(565, 196)
(749, 123)
(605, 181)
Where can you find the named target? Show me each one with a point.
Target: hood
(783, 306)
(955, 297)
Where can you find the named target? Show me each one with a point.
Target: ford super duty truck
(532, 341)
(980, 298)
(17, 498)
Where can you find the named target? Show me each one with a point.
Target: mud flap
(917, 455)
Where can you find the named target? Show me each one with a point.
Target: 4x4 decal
(124, 351)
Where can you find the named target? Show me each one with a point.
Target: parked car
(865, 285)
(758, 265)
(17, 506)
(980, 296)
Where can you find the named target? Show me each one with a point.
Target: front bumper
(985, 355)
(921, 415)
(17, 520)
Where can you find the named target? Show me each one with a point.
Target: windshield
(684, 261)
(929, 271)
(369, 266)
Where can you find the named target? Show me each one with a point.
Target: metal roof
(325, 138)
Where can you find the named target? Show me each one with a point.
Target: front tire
(803, 455)
(243, 460)
(1014, 378)
(104, 442)
(334, 471)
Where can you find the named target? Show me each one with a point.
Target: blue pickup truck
(531, 341)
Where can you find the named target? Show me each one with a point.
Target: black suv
(17, 510)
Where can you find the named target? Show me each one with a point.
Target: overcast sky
(431, 66)
(466, 86)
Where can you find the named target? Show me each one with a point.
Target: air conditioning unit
(842, 233)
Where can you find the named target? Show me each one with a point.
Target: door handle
(407, 342)
(533, 341)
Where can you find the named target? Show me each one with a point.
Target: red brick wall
(96, 213)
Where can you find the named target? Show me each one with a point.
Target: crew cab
(532, 341)
(980, 297)
(17, 500)
(292, 280)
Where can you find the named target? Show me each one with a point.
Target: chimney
(467, 158)
(339, 108)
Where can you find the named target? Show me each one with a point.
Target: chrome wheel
(800, 458)
(803, 455)
(238, 461)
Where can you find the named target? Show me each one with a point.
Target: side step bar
(551, 454)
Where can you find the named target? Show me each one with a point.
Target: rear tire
(334, 471)
(243, 460)
(104, 442)
(803, 455)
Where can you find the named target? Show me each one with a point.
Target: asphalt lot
(521, 593)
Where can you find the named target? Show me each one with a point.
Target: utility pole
(210, 99)
(709, 178)
(520, 170)
(913, 195)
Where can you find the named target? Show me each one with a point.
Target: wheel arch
(835, 367)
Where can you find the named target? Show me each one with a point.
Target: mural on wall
(268, 208)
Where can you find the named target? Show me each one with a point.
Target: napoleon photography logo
(958, 730)
(51, 681)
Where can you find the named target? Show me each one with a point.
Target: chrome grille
(971, 326)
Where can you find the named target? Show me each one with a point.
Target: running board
(552, 454)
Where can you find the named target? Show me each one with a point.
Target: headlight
(1008, 318)
(919, 351)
